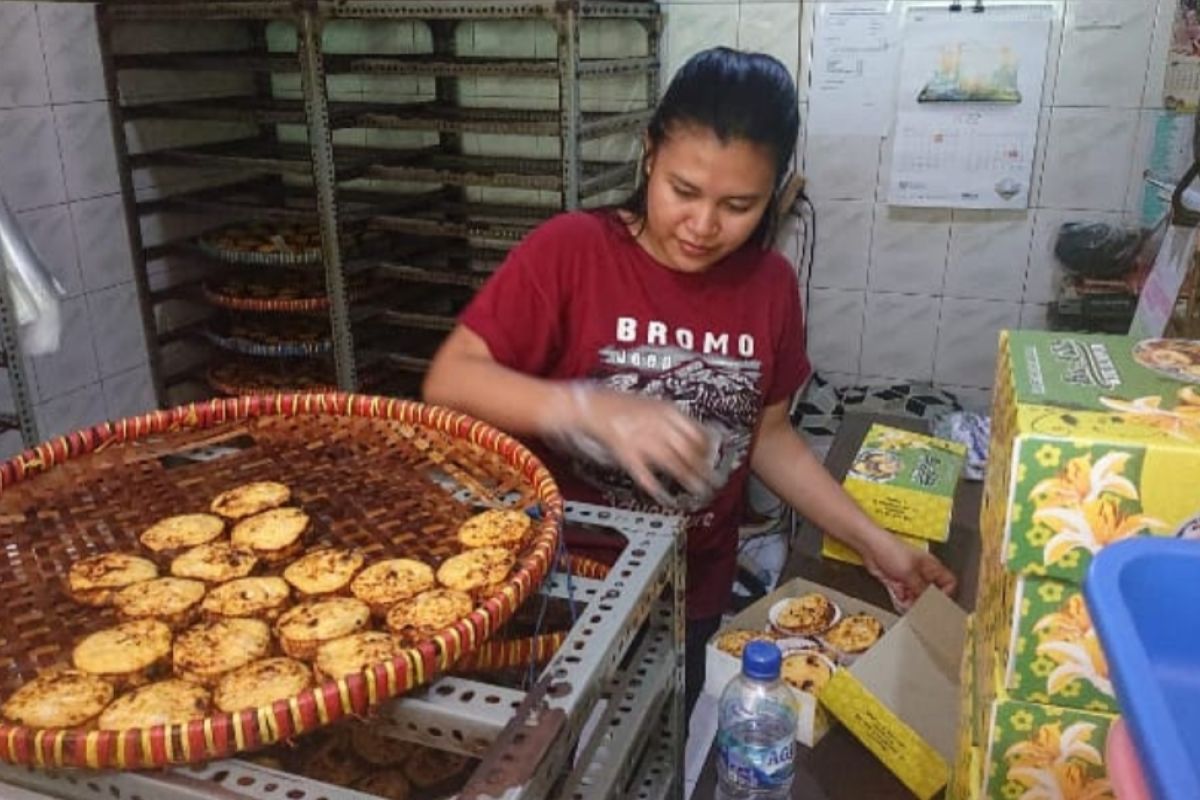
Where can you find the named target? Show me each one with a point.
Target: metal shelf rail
(617, 677)
(323, 165)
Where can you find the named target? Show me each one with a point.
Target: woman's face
(704, 198)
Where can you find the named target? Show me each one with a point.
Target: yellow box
(834, 549)
(900, 698)
(906, 481)
(1097, 439)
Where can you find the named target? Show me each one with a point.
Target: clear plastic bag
(36, 294)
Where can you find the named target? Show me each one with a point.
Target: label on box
(921, 768)
(905, 481)
(1055, 656)
(1044, 751)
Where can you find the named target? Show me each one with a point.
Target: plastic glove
(905, 571)
(642, 435)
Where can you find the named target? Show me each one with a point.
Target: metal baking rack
(256, 168)
(603, 720)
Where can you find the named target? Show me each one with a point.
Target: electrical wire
(811, 260)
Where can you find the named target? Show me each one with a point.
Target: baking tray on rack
(389, 477)
(297, 294)
(273, 337)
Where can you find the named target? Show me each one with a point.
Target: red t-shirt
(581, 299)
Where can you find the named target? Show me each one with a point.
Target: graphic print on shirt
(719, 389)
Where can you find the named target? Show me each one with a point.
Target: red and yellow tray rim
(222, 735)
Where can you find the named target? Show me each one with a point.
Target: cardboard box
(1053, 654)
(833, 548)
(966, 687)
(960, 786)
(1042, 751)
(905, 481)
(1104, 436)
(967, 779)
(720, 668)
(901, 697)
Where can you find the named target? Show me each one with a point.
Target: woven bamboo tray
(386, 476)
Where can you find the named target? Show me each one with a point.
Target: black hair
(736, 95)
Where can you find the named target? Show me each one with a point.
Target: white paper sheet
(853, 78)
(968, 103)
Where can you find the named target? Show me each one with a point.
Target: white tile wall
(58, 171)
(989, 251)
(841, 167)
(774, 29)
(1160, 46)
(1033, 316)
(899, 336)
(30, 168)
(1104, 53)
(909, 250)
(71, 46)
(74, 364)
(81, 408)
(117, 326)
(967, 336)
(128, 393)
(692, 27)
(49, 231)
(1086, 156)
(22, 71)
(843, 246)
(88, 155)
(835, 329)
(104, 255)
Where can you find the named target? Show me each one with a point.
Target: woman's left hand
(905, 571)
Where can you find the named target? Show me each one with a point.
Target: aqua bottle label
(756, 766)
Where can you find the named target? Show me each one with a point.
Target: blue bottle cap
(761, 660)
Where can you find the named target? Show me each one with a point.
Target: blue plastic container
(1144, 597)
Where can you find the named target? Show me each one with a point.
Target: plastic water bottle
(756, 730)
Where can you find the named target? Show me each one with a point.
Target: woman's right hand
(642, 435)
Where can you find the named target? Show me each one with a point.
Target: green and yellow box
(1053, 655)
(1098, 439)
(905, 481)
(1037, 751)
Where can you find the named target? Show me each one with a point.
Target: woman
(654, 348)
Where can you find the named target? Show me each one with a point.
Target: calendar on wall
(967, 107)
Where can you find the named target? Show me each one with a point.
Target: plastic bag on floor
(971, 430)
